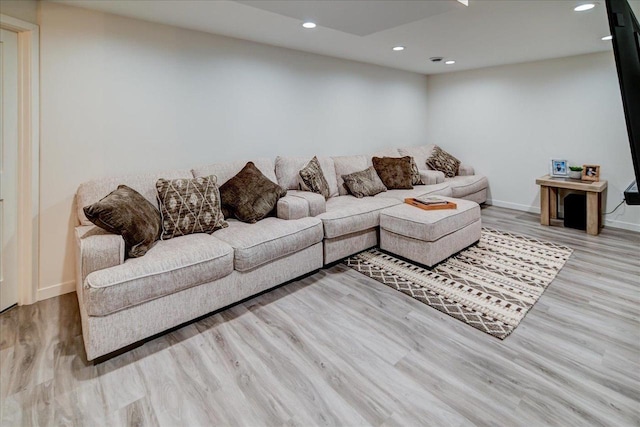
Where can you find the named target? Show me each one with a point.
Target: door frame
(28, 155)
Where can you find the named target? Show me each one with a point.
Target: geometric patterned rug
(490, 285)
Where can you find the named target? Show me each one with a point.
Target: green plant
(576, 168)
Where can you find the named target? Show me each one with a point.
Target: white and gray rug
(491, 285)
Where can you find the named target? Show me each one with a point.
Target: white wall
(25, 10)
(122, 96)
(509, 121)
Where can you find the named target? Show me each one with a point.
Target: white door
(8, 168)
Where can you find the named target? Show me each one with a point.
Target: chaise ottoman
(429, 236)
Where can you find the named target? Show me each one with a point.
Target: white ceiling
(486, 33)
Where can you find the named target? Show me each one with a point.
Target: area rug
(491, 285)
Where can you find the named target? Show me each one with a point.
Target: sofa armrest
(96, 249)
(465, 170)
(317, 203)
(291, 207)
(430, 177)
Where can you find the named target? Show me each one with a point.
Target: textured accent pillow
(416, 179)
(312, 179)
(189, 206)
(444, 162)
(250, 196)
(126, 212)
(395, 172)
(364, 183)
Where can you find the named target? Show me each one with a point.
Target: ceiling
(486, 33)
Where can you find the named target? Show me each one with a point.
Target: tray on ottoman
(429, 236)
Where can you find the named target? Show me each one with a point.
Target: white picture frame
(559, 168)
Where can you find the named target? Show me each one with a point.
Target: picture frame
(559, 168)
(591, 173)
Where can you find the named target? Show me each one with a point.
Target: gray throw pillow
(394, 172)
(444, 162)
(416, 179)
(364, 183)
(126, 212)
(312, 179)
(249, 195)
(189, 206)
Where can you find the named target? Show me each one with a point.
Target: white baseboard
(536, 210)
(516, 206)
(56, 290)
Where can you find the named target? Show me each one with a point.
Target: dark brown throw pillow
(313, 179)
(189, 206)
(364, 183)
(444, 162)
(126, 212)
(250, 196)
(416, 179)
(395, 172)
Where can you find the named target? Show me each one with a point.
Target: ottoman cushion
(429, 226)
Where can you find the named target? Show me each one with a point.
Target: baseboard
(56, 290)
(515, 206)
(536, 210)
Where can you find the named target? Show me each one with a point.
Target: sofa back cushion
(385, 152)
(288, 172)
(92, 191)
(225, 171)
(346, 165)
(419, 153)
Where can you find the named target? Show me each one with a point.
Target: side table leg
(544, 205)
(593, 213)
(553, 202)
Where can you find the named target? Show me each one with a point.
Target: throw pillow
(416, 179)
(395, 172)
(312, 179)
(444, 162)
(249, 195)
(364, 183)
(189, 206)
(126, 212)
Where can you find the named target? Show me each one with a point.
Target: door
(8, 168)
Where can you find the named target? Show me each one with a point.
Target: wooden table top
(572, 184)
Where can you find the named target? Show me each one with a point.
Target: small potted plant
(575, 172)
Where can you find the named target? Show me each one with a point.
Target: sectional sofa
(123, 301)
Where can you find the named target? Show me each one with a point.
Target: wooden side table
(549, 199)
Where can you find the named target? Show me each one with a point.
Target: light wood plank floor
(338, 348)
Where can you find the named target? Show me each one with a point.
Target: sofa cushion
(444, 162)
(385, 152)
(419, 153)
(92, 191)
(268, 240)
(431, 177)
(249, 195)
(429, 226)
(225, 171)
(395, 172)
(364, 183)
(418, 191)
(288, 172)
(346, 165)
(127, 213)
(462, 186)
(312, 179)
(189, 206)
(348, 214)
(317, 203)
(170, 266)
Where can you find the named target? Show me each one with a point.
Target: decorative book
(430, 203)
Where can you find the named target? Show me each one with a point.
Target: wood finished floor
(338, 348)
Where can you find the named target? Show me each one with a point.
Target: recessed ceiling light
(583, 7)
(309, 25)
(398, 48)
(450, 62)
(607, 38)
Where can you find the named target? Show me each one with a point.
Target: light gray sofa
(125, 301)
